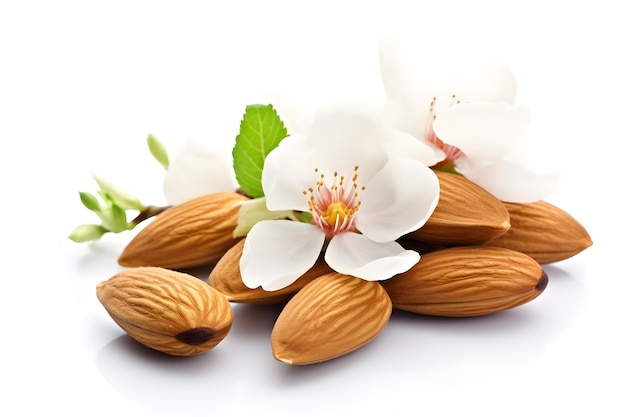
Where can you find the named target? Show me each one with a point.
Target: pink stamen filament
(452, 152)
(334, 206)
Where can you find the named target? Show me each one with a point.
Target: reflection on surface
(412, 352)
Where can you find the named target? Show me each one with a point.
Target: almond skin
(467, 281)
(226, 278)
(465, 215)
(331, 316)
(543, 231)
(195, 233)
(169, 311)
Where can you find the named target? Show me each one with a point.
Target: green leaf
(260, 131)
(87, 232)
(90, 201)
(120, 197)
(118, 219)
(158, 151)
(253, 211)
(113, 218)
(305, 217)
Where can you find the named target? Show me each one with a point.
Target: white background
(83, 83)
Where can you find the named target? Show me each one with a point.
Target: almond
(195, 233)
(172, 312)
(465, 215)
(543, 231)
(331, 316)
(226, 277)
(467, 281)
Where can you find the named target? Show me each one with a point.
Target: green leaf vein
(260, 132)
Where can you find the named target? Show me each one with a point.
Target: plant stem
(148, 212)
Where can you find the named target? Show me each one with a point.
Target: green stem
(446, 166)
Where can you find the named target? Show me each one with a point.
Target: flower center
(334, 205)
(335, 214)
(452, 152)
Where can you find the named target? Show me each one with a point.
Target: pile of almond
(479, 256)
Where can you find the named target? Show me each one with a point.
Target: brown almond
(172, 312)
(465, 215)
(195, 233)
(226, 277)
(331, 316)
(543, 231)
(467, 281)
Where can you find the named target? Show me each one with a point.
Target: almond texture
(168, 311)
(465, 215)
(226, 277)
(331, 316)
(543, 231)
(195, 233)
(467, 281)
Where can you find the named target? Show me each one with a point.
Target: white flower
(471, 119)
(359, 196)
(196, 170)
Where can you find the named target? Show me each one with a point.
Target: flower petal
(410, 85)
(347, 136)
(482, 130)
(197, 170)
(488, 80)
(295, 111)
(398, 200)
(354, 254)
(511, 182)
(288, 171)
(277, 252)
(403, 145)
(396, 68)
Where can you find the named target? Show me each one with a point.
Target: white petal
(406, 117)
(398, 200)
(347, 136)
(395, 68)
(410, 85)
(277, 252)
(197, 170)
(482, 130)
(354, 254)
(512, 182)
(409, 73)
(295, 112)
(403, 145)
(487, 80)
(287, 172)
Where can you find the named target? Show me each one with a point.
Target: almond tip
(543, 282)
